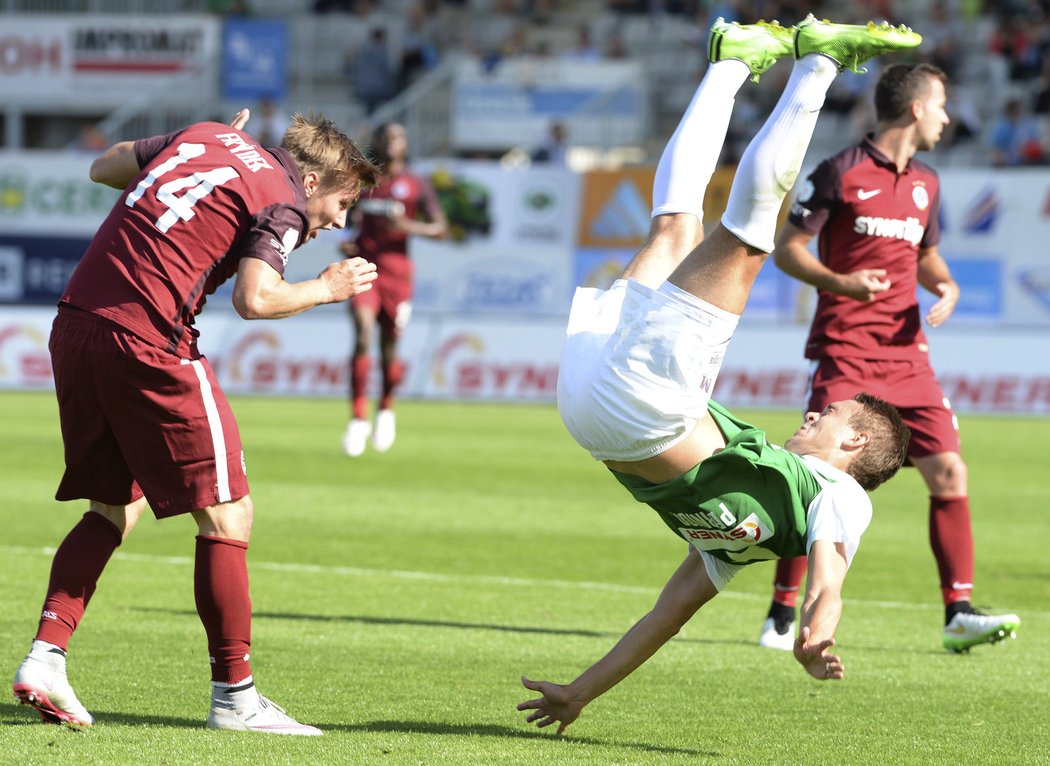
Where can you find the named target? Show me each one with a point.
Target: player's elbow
(250, 306)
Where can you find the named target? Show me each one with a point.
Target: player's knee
(123, 517)
(229, 521)
(949, 476)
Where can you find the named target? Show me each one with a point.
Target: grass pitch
(399, 597)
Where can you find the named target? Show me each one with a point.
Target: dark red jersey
(207, 196)
(869, 216)
(377, 235)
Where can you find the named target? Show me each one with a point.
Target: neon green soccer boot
(850, 45)
(973, 628)
(757, 45)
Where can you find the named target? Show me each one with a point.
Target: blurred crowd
(995, 53)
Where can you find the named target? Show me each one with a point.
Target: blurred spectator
(966, 122)
(554, 149)
(1012, 42)
(1015, 137)
(268, 123)
(371, 72)
(942, 36)
(91, 140)
(1041, 94)
(419, 51)
(515, 44)
(616, 47)
(583, 50)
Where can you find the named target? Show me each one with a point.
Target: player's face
(396, 141)
(327, 210)
(933, 116)
(824, 431)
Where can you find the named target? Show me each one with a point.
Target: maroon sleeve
(818, 198)
(932, 236)
(274, 232)
(429, 199)
(148, 148)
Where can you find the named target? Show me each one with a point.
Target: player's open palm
(556, 704)
(815, 659)
(348, 278)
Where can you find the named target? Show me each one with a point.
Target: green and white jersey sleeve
(755, 501)
(841, 511)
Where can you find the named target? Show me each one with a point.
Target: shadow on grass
(9, 716)
(420, 623)
(13, 715)
(489, 730)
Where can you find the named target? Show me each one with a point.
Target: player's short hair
(901, 84)
(317, 145)
(887, 448)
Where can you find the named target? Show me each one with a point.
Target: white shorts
(638, 367)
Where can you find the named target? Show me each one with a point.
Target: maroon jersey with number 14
(869, 216)
(207, 196)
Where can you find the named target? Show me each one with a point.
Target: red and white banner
(95, 58)
(500, 359)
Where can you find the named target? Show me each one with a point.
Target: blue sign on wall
(35, 270)
(254, 60)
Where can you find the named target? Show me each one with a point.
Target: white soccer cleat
(969, 629)
(356, 437)
(385, 431)
(41, 682)
(777, 635)
(250, 711)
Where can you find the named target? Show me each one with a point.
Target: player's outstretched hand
(815, 658)
(943, 308)
(556, 705)
(348, 278)
(864, 284)
(240, 119)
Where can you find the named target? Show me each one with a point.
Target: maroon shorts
(909, 385)
(139, 421)
(390, 298)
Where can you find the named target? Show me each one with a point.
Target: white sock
(774, 157)
(234, 693)
(689, 159)
(49, 654)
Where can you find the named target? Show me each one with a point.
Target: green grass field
(398, 598)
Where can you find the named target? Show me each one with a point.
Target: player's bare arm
(934, 275)
(688, 589)
(821, 610)
(793, 257)
(117, 166)
(261, 293)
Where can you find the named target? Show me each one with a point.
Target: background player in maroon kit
(143, 417)
(875, 209)
(400, 206)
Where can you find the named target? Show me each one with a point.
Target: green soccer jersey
(754, 501)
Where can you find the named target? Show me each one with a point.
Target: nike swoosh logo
(862, 194)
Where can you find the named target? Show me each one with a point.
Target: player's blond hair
(317, 145)
(887, 446)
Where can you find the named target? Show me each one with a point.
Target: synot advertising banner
(506, 359)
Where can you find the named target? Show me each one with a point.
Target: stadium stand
(996, 54)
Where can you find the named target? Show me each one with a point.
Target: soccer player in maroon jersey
(400, 206)
(143, 417)
(875, 209)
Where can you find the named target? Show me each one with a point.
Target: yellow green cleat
(757, 45)
(850, 45)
